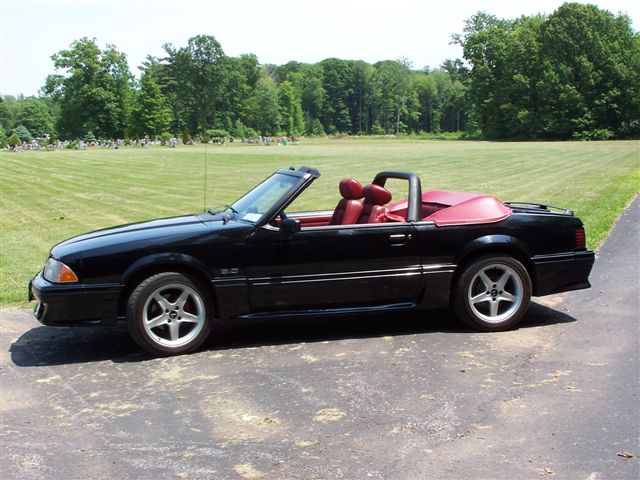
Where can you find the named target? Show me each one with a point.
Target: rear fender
(505, 243)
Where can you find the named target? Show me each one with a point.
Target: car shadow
(48, 346)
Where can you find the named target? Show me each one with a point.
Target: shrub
(597, 134)
(376, 129)
(165, 137)
(23, 133)
(317, 129)
(14, 140)
(186, 138)
(89, 137)
(215, 135)
(239, 130)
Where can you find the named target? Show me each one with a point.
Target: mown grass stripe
(97, 188)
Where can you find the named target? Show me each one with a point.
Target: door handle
(399, 239)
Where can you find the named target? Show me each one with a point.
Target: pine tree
(151, 115)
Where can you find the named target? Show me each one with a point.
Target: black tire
(492, 293)
(169, 314)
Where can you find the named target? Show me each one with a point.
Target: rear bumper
(73, 304)
(562, 272)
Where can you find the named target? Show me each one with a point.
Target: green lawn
(49, 196)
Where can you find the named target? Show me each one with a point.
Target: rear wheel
(492, 293)
(168, 314)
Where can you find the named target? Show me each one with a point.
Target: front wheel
(492, 293)
(169, 314)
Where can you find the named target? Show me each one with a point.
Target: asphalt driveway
(386, 396)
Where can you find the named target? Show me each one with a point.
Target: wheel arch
(154, 264)
(496, 244)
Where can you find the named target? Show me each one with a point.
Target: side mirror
(289, 226)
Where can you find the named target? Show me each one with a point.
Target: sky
(276, 31)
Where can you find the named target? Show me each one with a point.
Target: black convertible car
(170, 278)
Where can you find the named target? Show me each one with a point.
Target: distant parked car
(170, 278)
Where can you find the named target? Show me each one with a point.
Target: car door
(330, 267)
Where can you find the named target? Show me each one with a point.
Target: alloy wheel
(495, 293)
(173, 315)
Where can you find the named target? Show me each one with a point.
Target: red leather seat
(349, 208)
(373, 210)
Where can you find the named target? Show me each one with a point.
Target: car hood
(161, 223)
(164, 230)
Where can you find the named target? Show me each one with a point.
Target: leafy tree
(199, 75)
(34, 114)
(93, 91)
(3, 137)
(266, 112)
(392, 77)
(424, 87)
(593, 57)
(290, 109)
(242, 74)
(455, 119)
(337, 81)
(308, 81)
(363, 95)
(484, 46)
(573, 74)
(6, 120)
(284, 72)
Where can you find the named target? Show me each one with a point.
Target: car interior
(370, 204)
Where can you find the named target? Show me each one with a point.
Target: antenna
(204, 196)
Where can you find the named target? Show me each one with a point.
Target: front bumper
(74, 304)
(562, 272)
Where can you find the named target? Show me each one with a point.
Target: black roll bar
(414, 207)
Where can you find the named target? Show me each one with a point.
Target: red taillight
(580, 238)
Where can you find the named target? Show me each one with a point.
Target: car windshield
(261, 199)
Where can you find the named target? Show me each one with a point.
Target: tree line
(574, 74)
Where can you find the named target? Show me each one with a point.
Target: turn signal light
(580, 238)
(66, 274)
(57, 272)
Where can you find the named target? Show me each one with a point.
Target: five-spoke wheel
(492, 293)
(167, 314)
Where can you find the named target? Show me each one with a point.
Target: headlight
(57, 272)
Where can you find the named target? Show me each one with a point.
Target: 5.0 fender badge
(228, 271)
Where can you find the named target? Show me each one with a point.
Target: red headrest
(376, 194)
(351, 189)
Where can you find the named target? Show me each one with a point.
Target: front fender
(165, 259)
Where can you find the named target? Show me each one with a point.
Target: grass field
(49, 196)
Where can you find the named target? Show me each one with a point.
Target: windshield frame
(303, 179)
